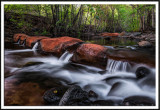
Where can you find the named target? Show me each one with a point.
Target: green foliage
(101, 16)
(20, 24)
(36, 33)
(13, 20)
(79, 34)
(44, 32)
(91, 41)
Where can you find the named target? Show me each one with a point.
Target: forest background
(77, 19)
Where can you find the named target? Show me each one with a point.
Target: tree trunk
(39, 10)
(149, 19)
(53, 27)
(113, 25)
(153, 18)
(46, 11)
(80, 18)
(87, 16)
(75, 18)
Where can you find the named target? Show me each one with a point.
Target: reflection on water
(113, 41)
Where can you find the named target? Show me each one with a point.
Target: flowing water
(66, 56)
(35, 46)
(113, 66)
(117, 82)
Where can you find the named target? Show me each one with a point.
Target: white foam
(35, 46)
(66, 57)
(113, 65)
(89, 78)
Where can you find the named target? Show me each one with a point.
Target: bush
(44, 32)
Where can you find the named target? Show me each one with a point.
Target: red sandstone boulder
(30, 41)
(91, 54)
(57, 46)
(23, 38)
(112, 34)
(133, 56)
(16, 37)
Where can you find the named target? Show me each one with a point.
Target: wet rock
(143, 37)
(74, 96)
(16, 37)
(91, 54)
(92, 95)
(109, 34)
(144, 44)
(152, 39)
(138, 101)
(142, 72)
(102, 72)
(32, 63)
(23, 38)
(135, 56)
(30, 41)
(54, 95)
(137, 33)
(57, 46)
(112, 34)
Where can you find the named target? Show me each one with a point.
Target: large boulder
(30, 41)
(54, 95)
(109, 34)
(57, 46)
(91, 54)
(144, 44)
(132, 56)
(112, 34)
(23, 38)
(74, 96)
(16, 37)
(142, 72)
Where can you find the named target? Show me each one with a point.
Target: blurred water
(117, 82)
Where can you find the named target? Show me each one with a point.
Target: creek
(117, 82)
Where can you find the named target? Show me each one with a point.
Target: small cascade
(114, 65)
(18, 42)
(66, 56)
(23, 44)
(35, 46)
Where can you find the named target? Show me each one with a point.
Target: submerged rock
(24, 94)
(57, 46)
(32, 63)
(138, 101)
(91, 54)
(30, 41)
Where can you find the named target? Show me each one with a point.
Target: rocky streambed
(68, 71)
